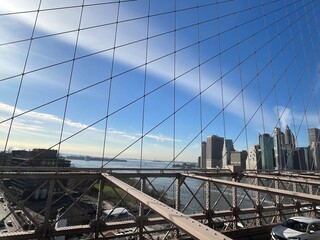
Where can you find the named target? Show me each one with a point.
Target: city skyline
(149, 86)
(277, 151)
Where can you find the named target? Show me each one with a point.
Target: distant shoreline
(98, 159)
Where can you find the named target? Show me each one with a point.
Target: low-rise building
(23, 188)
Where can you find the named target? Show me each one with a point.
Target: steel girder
(98, 174)
(182, 221)
(298, 195)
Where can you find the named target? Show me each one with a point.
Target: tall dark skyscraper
(214, 151)
(314, 135)
(289, 147)
(226, 152)
(203, 160)
(301, 157)
(278, 142)
(266, 148)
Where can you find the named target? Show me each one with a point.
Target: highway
(10, 223)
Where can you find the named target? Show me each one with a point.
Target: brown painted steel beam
(78, 229)
(285, 193)
(289, 178)
(184, 222)
(48, 175)
(39, 172)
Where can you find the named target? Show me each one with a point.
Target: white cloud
(285, 115)
(68, 21)
(161, 138)
(31, 130)
(38, 117)
(88, 40)
(289, 117)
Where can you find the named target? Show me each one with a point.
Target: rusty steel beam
(285, 193)
(182, 221)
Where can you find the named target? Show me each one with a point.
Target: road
(10, 223)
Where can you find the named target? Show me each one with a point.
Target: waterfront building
(289, 138)
(244, 155)
(22, 188)
(238, 158)
(267, 151)
(226, 152)
(301, 159)
(289, 147)
(314, 143)
(199, 161)
(4, 158)
(38, 158)
(279, 153)
(235, 158)
(314, 135)
(254, 155)
(214, 151)
(203, 160)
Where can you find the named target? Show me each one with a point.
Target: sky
(155, 87)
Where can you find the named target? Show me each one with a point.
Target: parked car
(9, 223)
(116, 215)
(297, 228)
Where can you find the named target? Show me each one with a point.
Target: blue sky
(148, 86)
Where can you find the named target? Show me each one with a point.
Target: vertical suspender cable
(241, 82)
(145, 85)
(70, 80)
(22, 78)
(174, 81)
(314, 90)
(199, 81)
(259, 88)
(221, 88)
(108, 96)
(309, 75)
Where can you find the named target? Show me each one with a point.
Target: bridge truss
(149, 79)
(253, 202)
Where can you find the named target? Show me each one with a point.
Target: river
(163, 183)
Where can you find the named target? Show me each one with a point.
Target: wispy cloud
(46, 128)
(285, 116)
(90, 40)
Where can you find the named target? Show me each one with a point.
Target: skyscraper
(203, 160)
(214, 151)
(289, 147)
(226, 152)
(289, 138)
(284, 145)
(314, 135)
(300, 160)
(267, 152)
(278, 141)
(238, 158)
(254, 158)
(314, 142)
